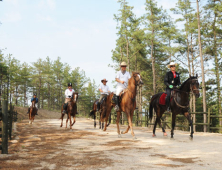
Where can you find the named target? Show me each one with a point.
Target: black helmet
(34, 94)
(69, 84)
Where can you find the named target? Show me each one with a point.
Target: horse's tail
(151, 108)
(92, 112)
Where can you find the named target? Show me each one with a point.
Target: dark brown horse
(127, 104)
(179, 104)
(32, 111)
(101, 112)
(71, 110)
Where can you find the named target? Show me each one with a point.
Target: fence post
(208, 120)
(5, 127)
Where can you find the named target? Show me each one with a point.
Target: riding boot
(117, 104)
(28, 110)
(167, 104)
(98, 106)
(64, 108)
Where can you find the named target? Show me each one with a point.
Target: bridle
(191, 91)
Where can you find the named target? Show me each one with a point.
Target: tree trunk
(153, 60)
(202, 68)
(217, 67)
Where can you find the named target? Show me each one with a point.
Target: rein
(136, 84)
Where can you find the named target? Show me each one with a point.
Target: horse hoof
(191, 137)
(164, 134)
(153, 135)
(172, 138)
(122, 132)
(134, 138)
(119, 136)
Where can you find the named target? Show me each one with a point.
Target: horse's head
(75, 97)
(137, 77)
(194, 85)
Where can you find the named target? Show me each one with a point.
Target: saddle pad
(162, 100)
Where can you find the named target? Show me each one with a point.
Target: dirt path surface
(44, 145)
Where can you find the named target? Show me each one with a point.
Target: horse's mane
(34, 99)
(183, 84)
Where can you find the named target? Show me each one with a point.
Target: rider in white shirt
(68, 95)
(104, 90)
(122, 78)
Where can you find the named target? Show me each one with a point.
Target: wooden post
(208, 120)
(5, 127)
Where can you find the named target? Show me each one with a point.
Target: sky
(81, 32)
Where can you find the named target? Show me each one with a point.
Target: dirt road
(44, 145)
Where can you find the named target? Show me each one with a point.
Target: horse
(102, 112)
(127, 103)
(179, 104)
(71, 109)
(32, 111)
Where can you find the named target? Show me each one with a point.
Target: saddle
(162, 100)
(120, 96)
(103, 99)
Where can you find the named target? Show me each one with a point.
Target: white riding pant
(119, 89)
(36, 105)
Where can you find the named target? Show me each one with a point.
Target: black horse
(179, 104)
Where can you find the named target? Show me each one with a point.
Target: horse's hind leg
(163, 130)
(94, 120)
(187, 115)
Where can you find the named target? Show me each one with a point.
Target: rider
(68, 94)
(122, 78)
(172, 78)
(104, 90)
(36, 101)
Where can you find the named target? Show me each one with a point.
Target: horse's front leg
(173, 123)
(130, 118)
(62, 119)
(70, 121)
(163, 130)
(74, 120)
(187, 115)
(117, 123)
(67, 120)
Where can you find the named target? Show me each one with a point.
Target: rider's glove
(69, 96)
(170, 86)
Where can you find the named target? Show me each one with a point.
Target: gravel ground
(44, 145)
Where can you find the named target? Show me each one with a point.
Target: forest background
(189, 34)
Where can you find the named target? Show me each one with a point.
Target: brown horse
(127, 104)
(179, 104)
(101, 112)
(71, 109)
(32, 111)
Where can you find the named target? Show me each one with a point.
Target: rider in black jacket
(172, 78)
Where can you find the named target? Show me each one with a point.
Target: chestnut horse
(71, 109)
(102, 112)
(127, 104)
(179, 104)
(32, 111)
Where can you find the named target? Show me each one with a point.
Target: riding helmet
(34, 94)
(69, 84)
